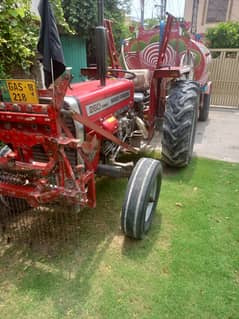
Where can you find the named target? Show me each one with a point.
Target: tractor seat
(142, 79)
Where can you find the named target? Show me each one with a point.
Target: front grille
(39, 154)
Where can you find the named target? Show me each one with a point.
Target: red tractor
(58, 140)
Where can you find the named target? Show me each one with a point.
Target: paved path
(218, 138)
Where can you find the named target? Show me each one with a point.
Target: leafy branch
(224, 35)
(18, 36)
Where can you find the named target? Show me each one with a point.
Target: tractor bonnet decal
(106, 103)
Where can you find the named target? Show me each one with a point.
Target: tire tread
(133, 212)
(179, 123)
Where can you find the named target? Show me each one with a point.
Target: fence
(224, 74)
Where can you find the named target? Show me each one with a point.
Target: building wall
(34, 6)
(229, 9)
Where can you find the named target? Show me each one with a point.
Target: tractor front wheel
(180, 121)
(141, 198)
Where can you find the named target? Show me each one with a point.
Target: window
(217, 11)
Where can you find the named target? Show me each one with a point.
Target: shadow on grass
(140, 249)
(55, 253)
(183, 173)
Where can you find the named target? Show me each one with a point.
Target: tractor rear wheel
(180, 121)
(141, 198)
(204, 111)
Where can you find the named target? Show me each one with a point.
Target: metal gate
(224, 74)
(75, 55)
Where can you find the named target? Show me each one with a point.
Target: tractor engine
(111, 107)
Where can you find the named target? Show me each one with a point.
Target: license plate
(18, 91)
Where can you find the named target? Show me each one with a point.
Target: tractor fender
(207, 88)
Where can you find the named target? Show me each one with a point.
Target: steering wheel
(132, 74)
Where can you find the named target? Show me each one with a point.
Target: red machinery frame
(77, 185)
(161, 74)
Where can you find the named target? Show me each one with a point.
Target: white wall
(34, 6)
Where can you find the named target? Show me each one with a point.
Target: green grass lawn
(186, 267)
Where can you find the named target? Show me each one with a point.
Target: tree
(63, 26)
(224, 35)
(81, 16)
(20, 28)
(18, 36)
(150, 23)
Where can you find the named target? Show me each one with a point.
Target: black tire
(180, 119)
(204, 111)
(141, 198)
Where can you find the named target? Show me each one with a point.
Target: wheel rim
(151, 201)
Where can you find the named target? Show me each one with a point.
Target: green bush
(224, 35)
(18, 36)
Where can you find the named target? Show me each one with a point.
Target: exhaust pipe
(100, 36)
(141, 125)
(114, 171)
